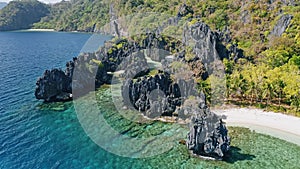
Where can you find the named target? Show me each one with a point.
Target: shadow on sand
(234, 155)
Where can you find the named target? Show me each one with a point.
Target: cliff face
(281, 25)
(56, 85)
(154, 96)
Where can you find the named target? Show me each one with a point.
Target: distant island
(22, 14)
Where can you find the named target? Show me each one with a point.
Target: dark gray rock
(54, 85)
(136, 65)
(156, 46)
(92, 68)
(158, 95)
(209, 46)
(281, 25)
(184, 10)
(89, 70)
(224, 39)
(208, 134)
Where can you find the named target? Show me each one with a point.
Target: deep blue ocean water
(38, 135)
(31, 137)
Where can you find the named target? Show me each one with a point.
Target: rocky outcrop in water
(160, 96)
(91, 71)
(95, 69)
(281, 25)
(54, 85)
(208, 134)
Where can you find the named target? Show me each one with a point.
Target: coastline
(38, 30)
(278, 125)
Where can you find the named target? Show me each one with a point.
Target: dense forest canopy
(22, 14)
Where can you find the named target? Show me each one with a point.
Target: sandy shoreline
(38, 30)
(279, 125)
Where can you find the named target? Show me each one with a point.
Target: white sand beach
(38, 30)
(279, 125)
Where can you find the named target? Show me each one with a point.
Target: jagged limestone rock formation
(207, 47)
(54, 85)
(185, 10)
(91, 71)
(208, 134)
(120, 54)
(281, 25)
(157, 95)
(154, 96)
(135, 65)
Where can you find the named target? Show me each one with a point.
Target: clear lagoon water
(34, 134)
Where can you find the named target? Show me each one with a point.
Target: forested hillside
(76, 15)
(266, 32)
(21, 14)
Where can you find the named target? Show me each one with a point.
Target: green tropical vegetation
(74, 15)
(22, 14)
(269, 74)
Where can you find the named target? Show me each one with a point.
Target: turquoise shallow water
(38, 135)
